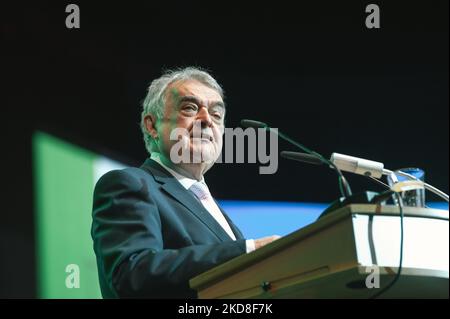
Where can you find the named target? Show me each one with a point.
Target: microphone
(301, 157)
(344, 187)
(311, 159)
(254, 124)
(358, 165)
(376, 170)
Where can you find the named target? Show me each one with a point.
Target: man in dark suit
(157, 226)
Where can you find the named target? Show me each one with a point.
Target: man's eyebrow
(218, 104)
(189, 98)
(193, 99)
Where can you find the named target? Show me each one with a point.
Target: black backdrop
(312, 70)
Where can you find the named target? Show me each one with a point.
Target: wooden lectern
(340, 256)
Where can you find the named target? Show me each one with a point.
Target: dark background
(312, 69)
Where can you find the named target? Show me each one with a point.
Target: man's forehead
(180, 89)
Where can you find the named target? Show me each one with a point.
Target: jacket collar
(171, 186)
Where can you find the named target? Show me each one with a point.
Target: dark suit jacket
(151, 235)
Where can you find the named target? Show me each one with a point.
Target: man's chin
(203, 155)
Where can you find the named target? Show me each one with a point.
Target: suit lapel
(236, 231)
(171, 186)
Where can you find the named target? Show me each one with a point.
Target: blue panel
(260, 219)
(438, 205)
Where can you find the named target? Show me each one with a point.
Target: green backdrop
(65, 176)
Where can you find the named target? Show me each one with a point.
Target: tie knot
(200, 190)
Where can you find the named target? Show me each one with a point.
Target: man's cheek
(219, 132)
(219, 143)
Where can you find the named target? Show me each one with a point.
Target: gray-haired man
(157, 226)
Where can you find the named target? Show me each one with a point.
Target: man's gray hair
(155, 100)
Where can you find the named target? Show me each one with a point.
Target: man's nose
(204, 117)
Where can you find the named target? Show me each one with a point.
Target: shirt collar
(186, 182)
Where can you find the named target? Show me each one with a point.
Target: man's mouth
(204, 137)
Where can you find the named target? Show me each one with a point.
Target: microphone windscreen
(254, 124)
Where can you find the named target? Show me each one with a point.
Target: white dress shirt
(210, 205)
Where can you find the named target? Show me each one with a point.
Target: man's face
(192, 104)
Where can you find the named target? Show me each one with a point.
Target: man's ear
(150, 125)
